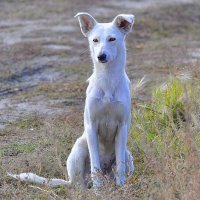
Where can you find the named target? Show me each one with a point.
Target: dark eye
(95, 40)
(112, 39)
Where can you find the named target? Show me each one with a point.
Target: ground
(44, 65)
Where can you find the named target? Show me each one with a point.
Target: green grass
(165, 138)
(169, 112)
(15, 149)
(166, 110)
(31, 122)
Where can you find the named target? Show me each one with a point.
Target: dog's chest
(107, 110)
(108, 114)
(107, 106)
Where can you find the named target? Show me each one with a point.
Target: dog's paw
(97, 186)
(120, 180)
(97, 183)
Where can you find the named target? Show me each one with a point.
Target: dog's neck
(107, 76)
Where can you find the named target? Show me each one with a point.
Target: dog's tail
(33, 178)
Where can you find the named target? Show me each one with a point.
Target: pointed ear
(124, 22)
(86, 21)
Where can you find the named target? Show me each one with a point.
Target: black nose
(102, 58)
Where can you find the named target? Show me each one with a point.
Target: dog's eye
(95, 40)
(112, 39)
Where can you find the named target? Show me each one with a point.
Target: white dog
(103, 146)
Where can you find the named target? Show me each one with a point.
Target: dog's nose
(102, 58)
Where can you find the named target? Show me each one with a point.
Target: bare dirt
(37, 46)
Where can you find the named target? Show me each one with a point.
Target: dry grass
(165, 146)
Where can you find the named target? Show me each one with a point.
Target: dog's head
(105, 39)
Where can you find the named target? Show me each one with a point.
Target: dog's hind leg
(75, 167)
(76, 162)
(129, 163)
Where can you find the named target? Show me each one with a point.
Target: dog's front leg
(93, 147)
(120, 150)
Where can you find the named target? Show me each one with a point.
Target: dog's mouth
(103, 61)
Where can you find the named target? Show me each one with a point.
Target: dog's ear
(124, 22)
(86, 21)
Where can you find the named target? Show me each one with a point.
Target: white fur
(103, 146)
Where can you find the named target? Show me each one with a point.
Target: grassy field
(44, 65)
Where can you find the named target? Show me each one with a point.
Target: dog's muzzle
(102, 58)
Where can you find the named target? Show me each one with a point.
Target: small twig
(46, 191)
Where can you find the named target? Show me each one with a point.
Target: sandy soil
(41, 43)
